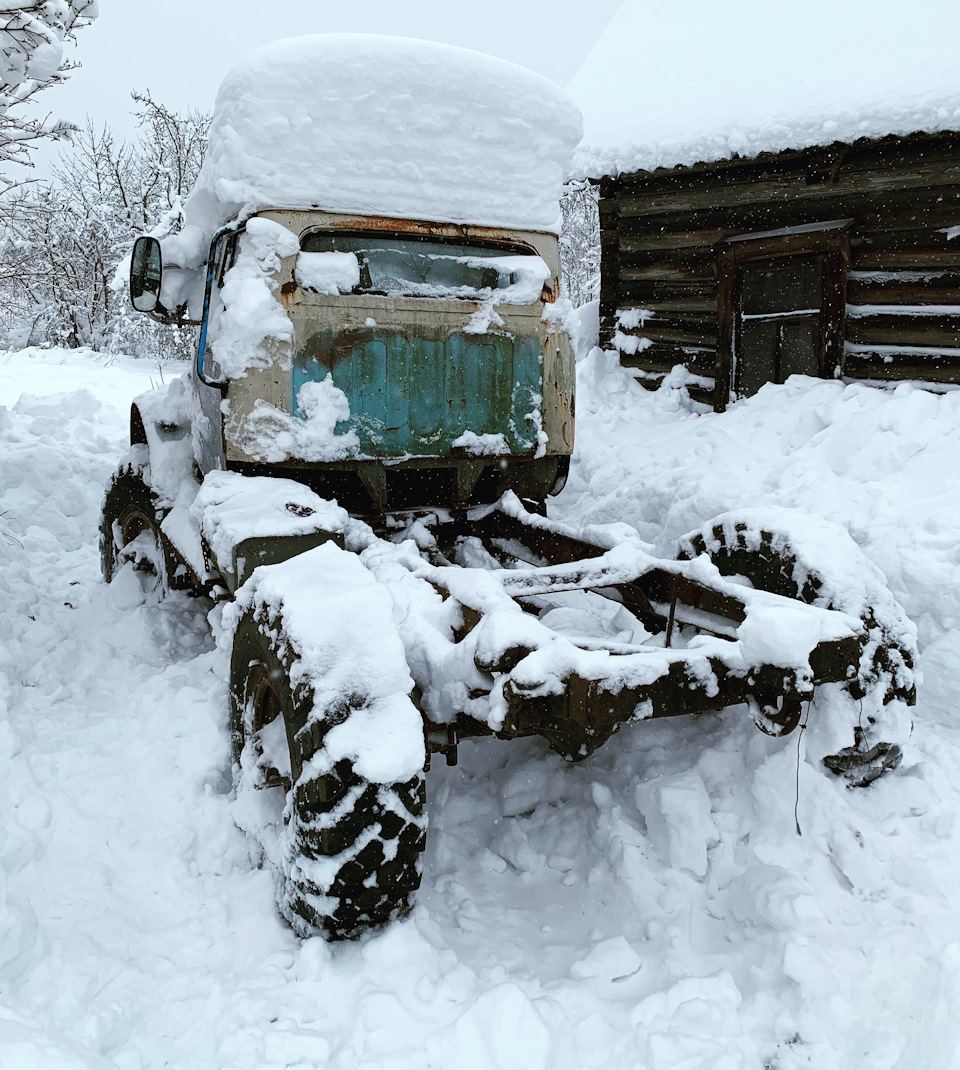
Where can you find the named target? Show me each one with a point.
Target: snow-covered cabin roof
(672, 83)
(388, 126)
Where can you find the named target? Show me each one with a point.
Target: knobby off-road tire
(352, 850)
(130, 532)
(738, 547)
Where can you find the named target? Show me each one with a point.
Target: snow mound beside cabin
(671, 84)
(880, 463)
(388, 126)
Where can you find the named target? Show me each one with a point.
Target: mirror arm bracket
(173, 319)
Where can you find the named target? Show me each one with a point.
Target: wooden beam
(669, 271)
(934, 291)
(903, 366)
(785, 188)
(909, 210)
(905, 259)
(726, 316)
(697, 331)
(905, 330)
(644, 363)
(663, 357)
(699, 301)
(664, 242)
(804, 242)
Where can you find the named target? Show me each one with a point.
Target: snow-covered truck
(357, 463)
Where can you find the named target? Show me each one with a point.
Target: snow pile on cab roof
(669, 84)
(386, 125)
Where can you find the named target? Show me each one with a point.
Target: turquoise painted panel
(414, 396)
(396, 395)
(362, 377)
(454, 388)
(527, 398)
(480, 383)
(427, 402)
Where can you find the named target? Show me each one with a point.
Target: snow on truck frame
(357, 462)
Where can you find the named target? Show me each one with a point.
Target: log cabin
(776, 203)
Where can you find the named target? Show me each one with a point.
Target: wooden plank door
(779, 330)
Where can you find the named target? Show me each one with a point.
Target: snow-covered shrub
(580, 243)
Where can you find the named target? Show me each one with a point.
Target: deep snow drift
(652, 907)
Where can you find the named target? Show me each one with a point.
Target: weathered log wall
(659, 231)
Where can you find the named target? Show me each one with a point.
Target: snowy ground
(652, 907)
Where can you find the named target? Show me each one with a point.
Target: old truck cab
(371, 256)
(421, 364)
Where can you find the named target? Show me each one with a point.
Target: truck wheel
(742, 544)
(776, 715)
(351, 848)
(130, 532)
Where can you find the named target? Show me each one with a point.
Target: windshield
(410, 266)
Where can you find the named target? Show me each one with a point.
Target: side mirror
(146, 270)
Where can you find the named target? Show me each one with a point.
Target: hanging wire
(796, 800)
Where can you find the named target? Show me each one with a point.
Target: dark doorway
(779, 323)
(781, 303)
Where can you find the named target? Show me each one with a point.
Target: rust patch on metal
(290, 293)
(390, 225)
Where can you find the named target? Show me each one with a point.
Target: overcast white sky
(180, 49)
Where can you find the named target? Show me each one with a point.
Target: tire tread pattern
(353, 847)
